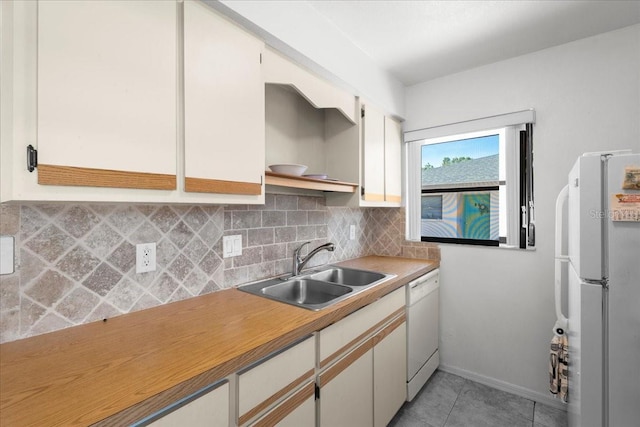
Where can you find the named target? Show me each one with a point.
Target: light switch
(237, 245)
(231, 246)
(6, 255)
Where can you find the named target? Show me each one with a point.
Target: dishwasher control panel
(423, 286)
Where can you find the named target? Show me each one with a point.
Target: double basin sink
(317, 289)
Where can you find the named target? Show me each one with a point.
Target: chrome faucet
(299, 262)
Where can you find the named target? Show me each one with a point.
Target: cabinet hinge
(362, 191)
(362, 113)
(32, 158)
(317, 392)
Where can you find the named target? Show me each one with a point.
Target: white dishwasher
(422, 330)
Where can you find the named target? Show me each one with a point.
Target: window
(471, 188)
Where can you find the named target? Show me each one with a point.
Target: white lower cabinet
(346, 390)
(362, 365)
(208, 407)
(389, 372)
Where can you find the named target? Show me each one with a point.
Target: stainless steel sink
(318, 288)
(306, 291)
(348, 276)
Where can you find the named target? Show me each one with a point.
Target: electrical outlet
(352, 232)
(145, 257)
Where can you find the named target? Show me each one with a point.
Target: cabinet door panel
(224, 105)
(392, 160)
(373, 155)
(389, 372)
(346, 398)
(107, 92)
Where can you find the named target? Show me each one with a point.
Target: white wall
(497, 305)
(299, 31)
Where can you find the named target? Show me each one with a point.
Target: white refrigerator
(603, 240)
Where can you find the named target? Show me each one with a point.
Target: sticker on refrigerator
(625, 207)
(631, 178)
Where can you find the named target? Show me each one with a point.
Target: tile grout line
(454, 403)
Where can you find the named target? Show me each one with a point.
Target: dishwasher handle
(422, 286)
(424, 278)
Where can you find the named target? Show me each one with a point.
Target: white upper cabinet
(130, 101)
(373, 155)
(392, 161)
(381, 159)
(224, 105)
(106, 93)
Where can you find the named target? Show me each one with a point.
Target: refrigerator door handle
(560, 326)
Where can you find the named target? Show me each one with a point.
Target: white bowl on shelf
(288, 169)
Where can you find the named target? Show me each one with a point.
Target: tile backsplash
(75, 263)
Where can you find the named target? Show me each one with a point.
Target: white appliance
(603, 325)
(423, 311)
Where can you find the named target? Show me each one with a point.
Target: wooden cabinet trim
(89, 177)
(344, 363)
(291, 181)
(275, 397)
(386, 331)
(201, 185)
(368, 332)
(373, 197)
(287, 407)
(394, 199)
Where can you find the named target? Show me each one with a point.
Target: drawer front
(207, 407)
(343, 334)
(297, 410)
(263, 384)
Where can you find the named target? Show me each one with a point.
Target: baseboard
(505, 386)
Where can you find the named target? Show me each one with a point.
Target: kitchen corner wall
(75, 263)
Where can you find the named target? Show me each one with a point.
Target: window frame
(519, 219)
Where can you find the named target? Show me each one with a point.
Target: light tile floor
(448, 400)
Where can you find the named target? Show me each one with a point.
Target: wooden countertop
(129, 366)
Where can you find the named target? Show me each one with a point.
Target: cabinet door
(224, 105)
(346, 390)
(107, 93)
(389, 371)
(210, 409)
(392, 161)
(373, 155)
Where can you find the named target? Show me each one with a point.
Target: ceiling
(424, 39)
